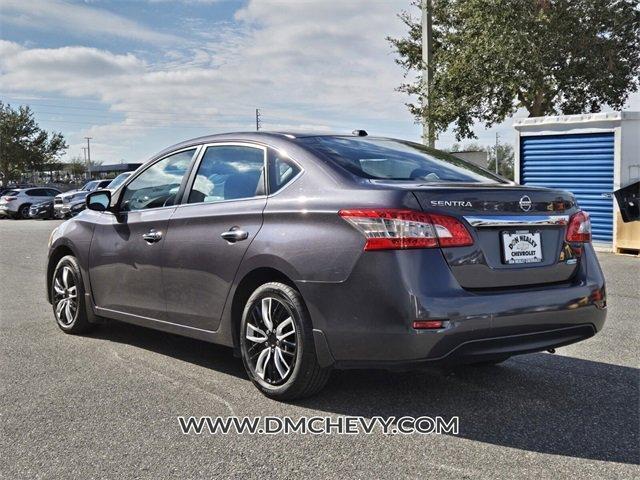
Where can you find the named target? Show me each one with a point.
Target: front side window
(386, 159)
(229, 172)
(159, 184)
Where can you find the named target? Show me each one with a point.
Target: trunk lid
(519, 233)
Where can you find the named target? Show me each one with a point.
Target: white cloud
(308, 65)
(84, 19)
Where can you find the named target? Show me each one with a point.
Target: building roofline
(580, 118)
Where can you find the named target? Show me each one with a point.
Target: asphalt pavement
(105, 405)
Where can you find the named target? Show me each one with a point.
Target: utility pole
(497, 160)
(428, 135)
(258, 119)
(88, 157)
(84, 157)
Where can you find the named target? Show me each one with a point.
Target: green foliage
(491, 57)
(506, 159)
(24, 146)
(506, 156)
(77, 166)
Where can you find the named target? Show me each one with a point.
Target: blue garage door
(582, 164)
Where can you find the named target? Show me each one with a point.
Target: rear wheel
(276, 342)
(23, 211)
(67, 297)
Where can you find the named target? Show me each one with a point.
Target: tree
(505, 157)
(24, 146)
(492, 57)
(77, 167)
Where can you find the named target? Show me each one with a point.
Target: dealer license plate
(521, 247)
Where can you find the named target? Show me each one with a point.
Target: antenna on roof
(360, 133)
(258, 115)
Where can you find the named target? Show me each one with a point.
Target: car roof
(262, 136)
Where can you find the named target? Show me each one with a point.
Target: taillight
(394, 229)
(428, 324)
(579, 228)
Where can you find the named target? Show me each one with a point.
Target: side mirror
(99, 200)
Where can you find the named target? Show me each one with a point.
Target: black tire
(77, 322)
(23, 211)
(305, 377)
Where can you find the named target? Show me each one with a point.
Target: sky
(140, 75)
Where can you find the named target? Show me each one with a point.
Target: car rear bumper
(372, 326)
(6, 210)
(457, 345)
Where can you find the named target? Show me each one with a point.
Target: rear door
(210, 232)
(126, 251)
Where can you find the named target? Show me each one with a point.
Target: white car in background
(16, 203)
(63, 202)
(119, 180)
(77, 203)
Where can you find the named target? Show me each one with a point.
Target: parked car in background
(5, 190)
(77, 204)
(75, 207)
(62, 203)
(119, 180)
(16, 203)
(42, 210)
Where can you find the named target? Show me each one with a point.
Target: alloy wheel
(65, 296)
(271, 341)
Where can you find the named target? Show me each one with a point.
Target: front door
(210, 232)
(127, 247)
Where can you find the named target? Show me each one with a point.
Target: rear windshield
(89, 186)
(386, 159)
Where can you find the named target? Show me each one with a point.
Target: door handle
(234, 234)
(152, 236)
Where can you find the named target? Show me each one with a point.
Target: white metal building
(590, 155)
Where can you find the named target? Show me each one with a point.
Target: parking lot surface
(105, 405)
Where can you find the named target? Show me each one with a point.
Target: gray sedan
(306, 253)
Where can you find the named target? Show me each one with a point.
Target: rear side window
(37, 192)
(229, 172)
(386, 159)
(281, 171)
(158, 185)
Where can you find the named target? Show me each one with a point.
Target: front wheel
(67, 296)
(276, 342)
